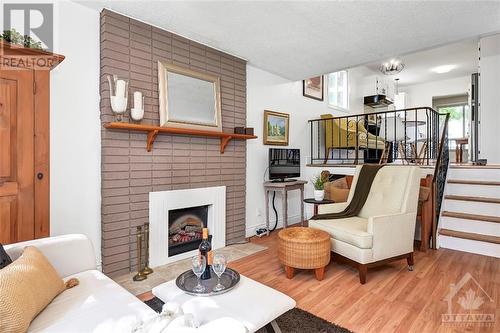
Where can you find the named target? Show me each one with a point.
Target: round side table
(317, 203)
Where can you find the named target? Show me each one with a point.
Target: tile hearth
(170, 271)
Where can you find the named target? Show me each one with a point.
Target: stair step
(479, 227)
(473, 182)
(471, 198)
(473, 190)
(475, 217)
(470, 166)
(470, 235)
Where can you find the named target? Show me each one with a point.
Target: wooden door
(17, 212)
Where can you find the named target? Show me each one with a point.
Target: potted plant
(14, 37)
(319, 188)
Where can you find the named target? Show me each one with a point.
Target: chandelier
(392, 67)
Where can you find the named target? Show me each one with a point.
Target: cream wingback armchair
(384, 228)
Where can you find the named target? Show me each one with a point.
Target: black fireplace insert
(185, 227)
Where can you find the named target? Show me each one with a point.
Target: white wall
(489, 92)
(75, 190)
(362, 82)
(421, 94)
(266, 91)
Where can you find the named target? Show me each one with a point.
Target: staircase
(470, 215)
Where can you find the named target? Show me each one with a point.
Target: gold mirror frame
(163, 70)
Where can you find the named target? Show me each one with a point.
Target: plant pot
(319, 195)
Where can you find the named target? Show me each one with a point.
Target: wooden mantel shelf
(153, 131)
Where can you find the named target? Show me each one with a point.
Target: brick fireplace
(131, 49)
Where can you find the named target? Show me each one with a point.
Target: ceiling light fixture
(443, 69)
(392, 67)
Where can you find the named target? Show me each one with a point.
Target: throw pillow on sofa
(337, 190)
(27, 286)
(4, 258)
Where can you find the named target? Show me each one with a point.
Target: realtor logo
(471, 299)
(34, 20)
(27, 26)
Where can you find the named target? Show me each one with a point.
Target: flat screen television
(283, 163)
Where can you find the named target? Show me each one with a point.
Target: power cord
(261, 231)
(264, 175)
(275, 213)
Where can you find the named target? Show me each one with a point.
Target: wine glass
(199, 264)
(219, 266)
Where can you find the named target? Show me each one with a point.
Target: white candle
(138, 100)
(120, 88)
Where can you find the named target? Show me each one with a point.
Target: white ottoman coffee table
(250, 302)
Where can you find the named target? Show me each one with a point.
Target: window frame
(464, 124)
(336, 107)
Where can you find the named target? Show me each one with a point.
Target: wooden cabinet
(24, 144)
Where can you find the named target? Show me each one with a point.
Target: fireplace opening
(185, 227)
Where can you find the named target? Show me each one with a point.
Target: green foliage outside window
(456, 113)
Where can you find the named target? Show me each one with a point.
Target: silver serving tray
(187, 281)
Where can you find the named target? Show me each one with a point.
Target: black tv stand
(289, 180)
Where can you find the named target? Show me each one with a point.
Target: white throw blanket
(173, 320)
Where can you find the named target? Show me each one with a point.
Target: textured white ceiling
(301, 39)
(418, 66)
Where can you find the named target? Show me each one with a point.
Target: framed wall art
(313, 88)
(276, 127)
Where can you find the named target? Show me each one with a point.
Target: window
(458, 123)
(338, 94)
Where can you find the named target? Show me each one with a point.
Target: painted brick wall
(131, 49)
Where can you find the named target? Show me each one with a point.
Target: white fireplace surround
(161, 202)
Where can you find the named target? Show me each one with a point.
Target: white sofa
(97, 304)
(384, 228)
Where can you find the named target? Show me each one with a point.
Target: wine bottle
(206, 250)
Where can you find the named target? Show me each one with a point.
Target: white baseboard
(250, 230)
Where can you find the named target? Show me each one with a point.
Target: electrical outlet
(257, 212)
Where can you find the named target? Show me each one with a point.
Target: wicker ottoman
(304, 248)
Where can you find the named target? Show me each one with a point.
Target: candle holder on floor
(140, 275)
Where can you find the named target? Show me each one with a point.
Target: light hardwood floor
(393, 299)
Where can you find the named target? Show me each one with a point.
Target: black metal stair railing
(417, 136)
(439, 179)
(407, 136)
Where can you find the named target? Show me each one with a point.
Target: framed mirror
(188, 99)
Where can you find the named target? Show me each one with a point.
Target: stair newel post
(434, 215)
